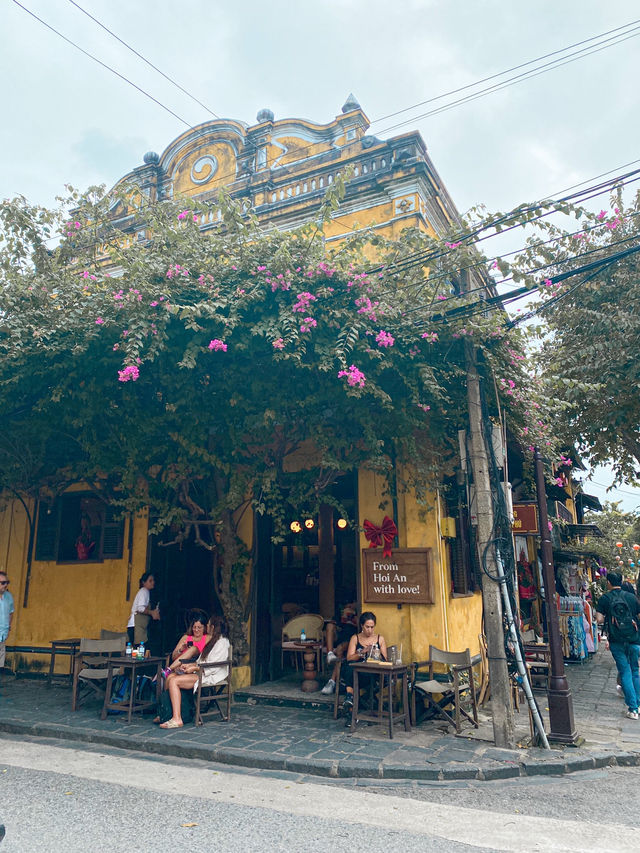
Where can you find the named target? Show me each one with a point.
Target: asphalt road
(64, 798)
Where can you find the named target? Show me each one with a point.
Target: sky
(66, 120)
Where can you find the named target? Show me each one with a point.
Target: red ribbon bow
(381, 536)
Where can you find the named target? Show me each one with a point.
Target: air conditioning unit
(499, 449)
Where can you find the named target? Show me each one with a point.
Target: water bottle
(141, 651)
(303, 636)
(129, 650)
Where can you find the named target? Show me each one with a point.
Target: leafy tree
(205, 370)
(616, 526)
(591, 331)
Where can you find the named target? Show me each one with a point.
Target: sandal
(171, 724)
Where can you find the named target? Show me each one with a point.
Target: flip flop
(171, 724)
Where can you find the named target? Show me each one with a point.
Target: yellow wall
(65, 599)
(451, 623)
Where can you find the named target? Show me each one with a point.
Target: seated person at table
(337, 636)
(191, 644)
(361, 646)
(217, 649)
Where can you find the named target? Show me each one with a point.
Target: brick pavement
(308, 740)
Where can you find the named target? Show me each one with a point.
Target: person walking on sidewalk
(618, 611)
(6, 612)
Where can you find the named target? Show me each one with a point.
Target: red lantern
(619, 544)
(636, 547)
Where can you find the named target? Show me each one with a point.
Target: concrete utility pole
(501, 707)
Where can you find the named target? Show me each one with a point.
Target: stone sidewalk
(308, 740)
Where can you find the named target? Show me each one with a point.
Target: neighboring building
(281, 170)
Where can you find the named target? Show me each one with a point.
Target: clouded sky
(67, 120)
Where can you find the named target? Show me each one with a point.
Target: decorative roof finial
(350, 104)
(265, 115)
(151, 158)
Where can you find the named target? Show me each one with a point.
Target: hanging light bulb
(295, 527)
(309, 523)
(342, 523)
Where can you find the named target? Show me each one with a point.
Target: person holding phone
(191, 644)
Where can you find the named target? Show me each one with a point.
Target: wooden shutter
(47, 534)
(113, 536)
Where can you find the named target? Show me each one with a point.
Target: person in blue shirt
(6, 611)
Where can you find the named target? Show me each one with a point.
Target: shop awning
(588, 501)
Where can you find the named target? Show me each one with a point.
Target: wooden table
(135, 666)
(311, 651)
(392, 672)
(65, 647)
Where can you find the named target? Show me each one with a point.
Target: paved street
(66, 799)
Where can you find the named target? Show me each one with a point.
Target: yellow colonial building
(425, 593)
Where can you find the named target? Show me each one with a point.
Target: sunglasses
(5, 583)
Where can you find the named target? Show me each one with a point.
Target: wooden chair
(114, 635)
(89, 670)
(207, 695)
(451, 688)
(483, 690)
(312, 624)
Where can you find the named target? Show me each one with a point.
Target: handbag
(140, 626)
(187, 706)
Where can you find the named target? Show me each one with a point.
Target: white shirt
(140, 604)
(216, 674)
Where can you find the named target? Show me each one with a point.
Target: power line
(519, 78)
(502, 73)
(140, 56)
(103, 64)
(482, 305)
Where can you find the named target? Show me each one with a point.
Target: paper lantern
(619, 544)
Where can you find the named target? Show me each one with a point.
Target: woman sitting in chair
(191, 644)
(217, 649)
(366, 643)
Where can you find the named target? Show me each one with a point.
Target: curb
(360, 768)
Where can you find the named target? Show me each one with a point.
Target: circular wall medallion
(207, 164)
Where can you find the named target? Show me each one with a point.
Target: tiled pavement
(308, 740)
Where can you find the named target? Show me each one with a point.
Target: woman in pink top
(191, 644)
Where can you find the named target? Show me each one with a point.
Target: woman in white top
(141, 603)
(217, 649)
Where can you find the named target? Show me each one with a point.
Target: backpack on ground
(623, 627)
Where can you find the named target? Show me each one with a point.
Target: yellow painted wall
(65, 599)
(451, 623)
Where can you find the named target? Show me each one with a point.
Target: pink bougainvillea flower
(99, 321)
(217, 345)
(304, 301)
(354, 376)
(602, 214)
(195, 217)
(278, 343)
(384, 339)
(183, 214)
(131, 372)
(453, 245)
(307, 324)
(77, 225)
(431, 337)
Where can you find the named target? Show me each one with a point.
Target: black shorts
(345, 633)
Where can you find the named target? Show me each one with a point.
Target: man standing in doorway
(618, 611)
(6, 611)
